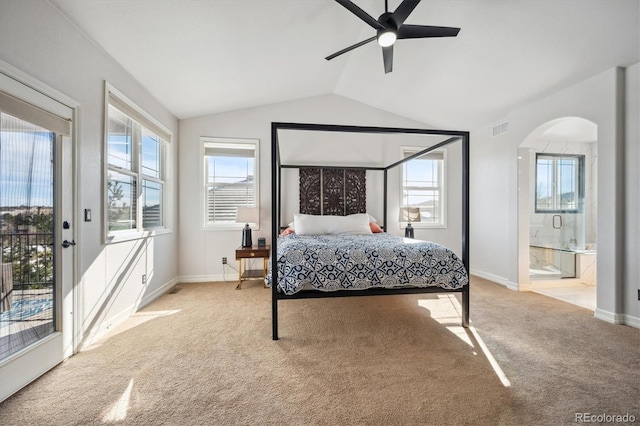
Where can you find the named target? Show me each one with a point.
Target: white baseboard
(631, 321)
(90, 336)
(207, 278)
(495, 278)
(612, 318)
(607, 316)
(148, 298)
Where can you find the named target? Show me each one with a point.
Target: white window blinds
(27, 112)
(230, 168)
(136, 115)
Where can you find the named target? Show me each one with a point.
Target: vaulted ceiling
(199, 57)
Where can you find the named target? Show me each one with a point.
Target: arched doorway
(557, 169)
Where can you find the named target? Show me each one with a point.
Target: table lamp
(247, 215)
(409, 214)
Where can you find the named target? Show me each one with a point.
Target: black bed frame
(276, 168)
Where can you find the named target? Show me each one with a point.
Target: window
(136, 168)
(559, 183)
(230, 171)
(423, 187)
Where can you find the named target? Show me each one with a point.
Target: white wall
(500, 212)
(631, 305)
(201, 250)
(490, 206)
(39, 41)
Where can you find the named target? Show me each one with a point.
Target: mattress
(355, 262)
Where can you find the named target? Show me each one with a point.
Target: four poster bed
(334, 248)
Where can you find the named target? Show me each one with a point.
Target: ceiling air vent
(501, 128)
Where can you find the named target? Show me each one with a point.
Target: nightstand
(245, 253)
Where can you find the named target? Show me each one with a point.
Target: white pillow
(371, 219)
(306, 224)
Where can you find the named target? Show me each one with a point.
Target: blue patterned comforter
(353, 262)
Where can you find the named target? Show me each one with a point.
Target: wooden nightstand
(245, 253)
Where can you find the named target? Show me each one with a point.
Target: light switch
(87, 215)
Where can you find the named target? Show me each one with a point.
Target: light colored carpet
(204, 356)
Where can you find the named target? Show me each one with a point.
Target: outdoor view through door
(37, 229)
(27, 309)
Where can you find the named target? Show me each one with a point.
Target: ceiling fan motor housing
(387, 35)
(390, 27)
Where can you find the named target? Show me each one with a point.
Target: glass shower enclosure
(557, 228)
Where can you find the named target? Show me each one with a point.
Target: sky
(420, 173)
(562, 171)
(121, 155)
(230, 169)
(26, 168)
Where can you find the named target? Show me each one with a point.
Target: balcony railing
(31, 255)
(26, 308)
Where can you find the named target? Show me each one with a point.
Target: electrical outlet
(224, 260)
(144, 279)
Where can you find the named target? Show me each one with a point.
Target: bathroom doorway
(560, 160)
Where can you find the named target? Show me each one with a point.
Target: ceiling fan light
(387, 37)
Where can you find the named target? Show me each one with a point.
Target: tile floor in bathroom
(584, 296)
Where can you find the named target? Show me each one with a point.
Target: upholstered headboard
(333, 191)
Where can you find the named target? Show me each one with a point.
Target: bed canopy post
(384, 203)
(465, 225)
(275, 226)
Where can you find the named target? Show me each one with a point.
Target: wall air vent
(501, 128)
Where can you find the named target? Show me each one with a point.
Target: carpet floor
(203, 355)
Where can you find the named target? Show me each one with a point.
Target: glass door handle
(67, 243)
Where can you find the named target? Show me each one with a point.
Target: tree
(43, 222)
(116, 207)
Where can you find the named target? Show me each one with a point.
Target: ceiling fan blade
(404, 10)
(362, 43)
(361, 14)
(423, 31)
(387, 57)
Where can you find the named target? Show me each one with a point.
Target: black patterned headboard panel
(333, 191)
(310, 195)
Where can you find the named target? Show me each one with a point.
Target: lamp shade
(247, 215)
(410, 214)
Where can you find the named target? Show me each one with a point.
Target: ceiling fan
(390, 27)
